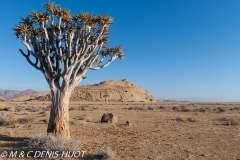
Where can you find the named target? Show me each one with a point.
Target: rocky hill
(117, 91)
(122, 90)
(14, 93)
(2, 99)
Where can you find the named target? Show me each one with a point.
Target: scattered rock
(44, 121)
(128, 123)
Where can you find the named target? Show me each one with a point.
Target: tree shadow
(19, 144)
(13, 143)
(93, 157)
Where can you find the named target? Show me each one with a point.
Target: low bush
(150, 108)
(10, 119)
(234, 122)
(136, 108)
(51, 143)
(106, 153)
(220, 109)
(10, 108)
(175, 108)
(7, 118)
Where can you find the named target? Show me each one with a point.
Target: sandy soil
(163, 130)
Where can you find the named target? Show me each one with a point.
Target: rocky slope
(117, 91)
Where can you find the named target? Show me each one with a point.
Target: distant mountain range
(14, 93)
(167, 100)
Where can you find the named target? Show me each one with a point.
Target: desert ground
(157, 130)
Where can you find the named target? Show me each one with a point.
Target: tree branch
(29, 61)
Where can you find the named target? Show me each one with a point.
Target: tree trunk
(59, 116)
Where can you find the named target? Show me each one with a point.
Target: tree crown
(66, 44)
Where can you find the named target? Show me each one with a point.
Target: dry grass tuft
(34, 109)
(234, 122)
(19, 108)
(9, 132)
(220, 109)
(106, 153)
(71, 109)
(186, 110)
(175, 108)
(43, 113)
(10, 109)
(85, 118)
(151, 108)
(189, 119)
(10, 119)
(2, 105)
(161, 107)
(25, 120)
(136, 108)
(85, 108)
(180, 119)
(7, 118)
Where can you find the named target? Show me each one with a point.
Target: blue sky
(181, 50)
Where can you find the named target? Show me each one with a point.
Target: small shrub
(182, 107)
(9, 132)
(236, 108)
(202, 110)
(44, 121)
(25, 120)
(139, 108)
(186, 110)
(88, 119)
(180, 119)
(234, 122)
(95, 108)
(2, 105)
(10, 109)
(84, 108)
(43, 113)
(47, 108)
(19, 108)
(136, 108)
(34, 109)
(52, 143)
(150, 108)
(131, 108)
(85, 118)
(71, 108)
(105, 153)
(28, 108)
(161, 107)
(175, 108)
(220, 109)
(189, 119)
(7, 119)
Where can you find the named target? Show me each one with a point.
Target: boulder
(108, 118)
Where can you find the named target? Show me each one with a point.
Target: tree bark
(59, 115)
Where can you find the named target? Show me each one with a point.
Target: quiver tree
(63, 47)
